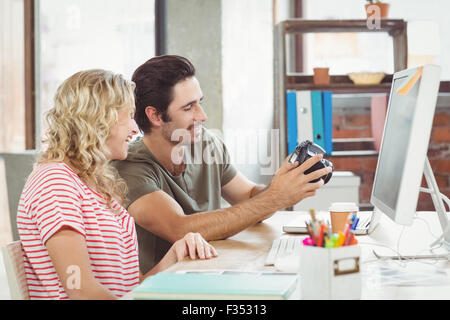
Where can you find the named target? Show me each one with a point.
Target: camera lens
(320, 165)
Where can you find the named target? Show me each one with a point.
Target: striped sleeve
(56, 203)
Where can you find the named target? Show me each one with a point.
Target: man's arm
(240, 188)
(160, 214)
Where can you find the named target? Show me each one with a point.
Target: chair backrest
(18, 167)
(6, 235)
(15, 270)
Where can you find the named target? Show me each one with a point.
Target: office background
(231, 44)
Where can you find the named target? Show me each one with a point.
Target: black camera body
(306, 150)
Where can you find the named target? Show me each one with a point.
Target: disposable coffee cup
(339, 212)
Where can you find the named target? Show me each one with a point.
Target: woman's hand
(193, 245)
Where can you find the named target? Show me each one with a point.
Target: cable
(401, 258)
(441, 195)
(447, 201)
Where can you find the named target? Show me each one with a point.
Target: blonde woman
(79, 242)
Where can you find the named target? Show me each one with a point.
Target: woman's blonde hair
(86, 107)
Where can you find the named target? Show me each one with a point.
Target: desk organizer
(330, 273)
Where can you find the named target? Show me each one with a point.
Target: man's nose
(200, 114)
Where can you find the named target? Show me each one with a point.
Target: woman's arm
(192, 245)
(69, 254)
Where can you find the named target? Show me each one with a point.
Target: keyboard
(283, 246)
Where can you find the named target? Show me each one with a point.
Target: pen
(355, 224)
(311, 233)
(312, 212)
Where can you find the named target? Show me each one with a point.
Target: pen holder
(330, 273)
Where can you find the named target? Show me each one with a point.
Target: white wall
(194, 31)
(247, 74)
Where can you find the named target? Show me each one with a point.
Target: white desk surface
(247, 250)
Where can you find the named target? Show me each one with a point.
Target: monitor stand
(438, 204)
(442, 215)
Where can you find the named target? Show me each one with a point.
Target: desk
(247, 251)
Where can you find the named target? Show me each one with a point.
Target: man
(170, 193)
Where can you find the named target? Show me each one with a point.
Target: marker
(320, 240)
(340, 240)
(331, 241)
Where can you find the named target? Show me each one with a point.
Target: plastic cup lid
(343, 207)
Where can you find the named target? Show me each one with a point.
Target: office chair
(15, 270)
(5, 220)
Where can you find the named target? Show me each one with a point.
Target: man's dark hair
(155, 80)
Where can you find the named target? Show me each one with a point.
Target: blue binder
(317, 117)
(291, 123)
(328, 121)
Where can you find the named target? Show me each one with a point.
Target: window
(12, 83)
(69, 36)
(78, 35)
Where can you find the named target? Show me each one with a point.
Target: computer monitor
(402, 160)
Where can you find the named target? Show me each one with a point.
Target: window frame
(30, 71)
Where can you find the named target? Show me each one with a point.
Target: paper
(410, 83)
(409, 273)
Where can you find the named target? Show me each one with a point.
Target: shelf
(342, 88)
(283, 81)
(393, 27)
(354, 153)
(338, 84)
(350, 147)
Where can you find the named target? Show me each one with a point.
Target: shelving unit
(396, 28)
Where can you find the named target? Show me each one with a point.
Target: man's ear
(153, 116)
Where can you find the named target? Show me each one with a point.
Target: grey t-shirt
(197, 189)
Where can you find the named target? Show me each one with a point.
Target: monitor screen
(396, 137)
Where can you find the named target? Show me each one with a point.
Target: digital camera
(306, 150)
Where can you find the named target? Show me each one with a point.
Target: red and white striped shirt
(55, 197)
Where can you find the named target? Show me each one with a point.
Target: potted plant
(321, 76)
(383, 8)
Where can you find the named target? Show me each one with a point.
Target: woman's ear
(153, 116)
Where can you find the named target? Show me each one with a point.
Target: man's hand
(290, 184)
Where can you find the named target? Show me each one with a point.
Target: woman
(79, 242)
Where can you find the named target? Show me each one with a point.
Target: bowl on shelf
(366, 78)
